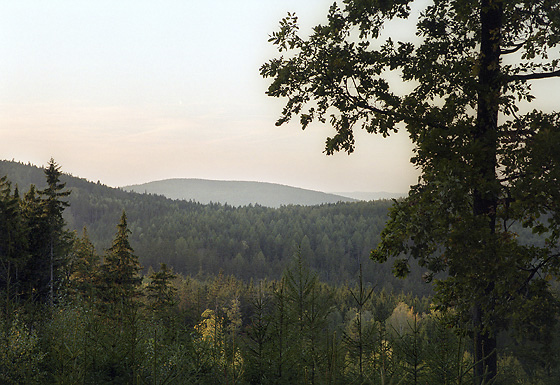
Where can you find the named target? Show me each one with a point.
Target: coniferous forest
(175, 292)
(247, 242)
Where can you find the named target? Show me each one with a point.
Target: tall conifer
(53, 206)
(119, 273)
(13, 244)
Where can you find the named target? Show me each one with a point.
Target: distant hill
(236, 193)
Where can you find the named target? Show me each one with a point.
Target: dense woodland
(72, 313)
(247, 242)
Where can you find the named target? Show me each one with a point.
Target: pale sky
(133, 91)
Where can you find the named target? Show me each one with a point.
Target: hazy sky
(132, 91)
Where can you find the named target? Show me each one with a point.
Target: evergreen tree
(84, 269)
(119, 275)
(308, 308)
(160, 290)
(119, 290)
(47, 241)
(34, 281)
(258, 346)
(162, 299)
(358, 338)
(54, 206)
(13, 245)
(281, 359)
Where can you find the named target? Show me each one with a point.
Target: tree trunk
(486, 363)
(486, 194)
(484, 164)
(51, 279)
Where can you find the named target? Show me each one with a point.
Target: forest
(186, 293)
(247, 241)
(75, 314)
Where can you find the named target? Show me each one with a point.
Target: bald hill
(236, 193)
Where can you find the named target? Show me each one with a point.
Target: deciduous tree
(486, 164)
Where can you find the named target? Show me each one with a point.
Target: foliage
(484, 164)
(296, 327)
(107, 326)
(13, 244)
(84, 267)
(20, 356)
(161, 293)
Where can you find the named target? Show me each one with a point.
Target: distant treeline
(249, 242)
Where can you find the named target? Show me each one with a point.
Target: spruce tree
(48, 243)
(119, 276)
(34, 281)
(118, 293)
(57, 239)
(308, 305)
(160, 290)
(13, 245)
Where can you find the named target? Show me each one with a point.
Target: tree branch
(543, 75)
(515, 48)
(532, 272)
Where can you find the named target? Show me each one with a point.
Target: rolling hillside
(249, 242)
(236, 193)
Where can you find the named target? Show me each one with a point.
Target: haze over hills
(236, 193)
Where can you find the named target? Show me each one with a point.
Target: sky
(132, 91)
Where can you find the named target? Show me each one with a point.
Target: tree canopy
(489, 165)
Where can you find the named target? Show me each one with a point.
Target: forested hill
(250, 242)
(236, 193)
